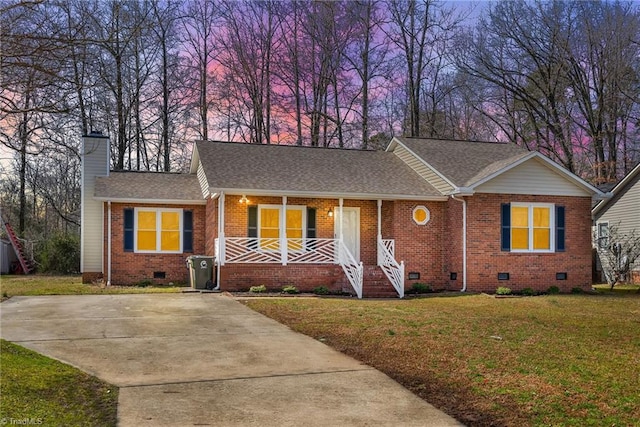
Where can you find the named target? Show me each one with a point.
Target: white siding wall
(624, 212)
(202, 178)
(417, 165)
(532, 177)
(95, 162)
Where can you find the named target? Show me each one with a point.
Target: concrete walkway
(207, 360)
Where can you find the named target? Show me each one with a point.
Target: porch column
(379, 240)
(283, 237)
(221, 242)
(340, 233)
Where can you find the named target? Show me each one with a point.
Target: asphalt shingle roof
(148, 186)
(465, 162)
(309, 170)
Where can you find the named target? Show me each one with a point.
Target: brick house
(456, 215)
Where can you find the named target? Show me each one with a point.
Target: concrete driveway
(205, 359)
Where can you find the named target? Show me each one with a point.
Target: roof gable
(470, 165)
(532, 176)
(631, 180)
(320, 172)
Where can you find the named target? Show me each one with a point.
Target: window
(158, 230)
(421, 215)
(265, 224)
(603, 235)
(532, 227)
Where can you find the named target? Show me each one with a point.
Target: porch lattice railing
(352, 269)
(298, 251)
(389, 265)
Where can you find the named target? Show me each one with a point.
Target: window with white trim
(270, 228)
(603, 235)
(158, 230)
(532, 227)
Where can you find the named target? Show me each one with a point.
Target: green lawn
(36, 390)
(67, 285)
(569, 360)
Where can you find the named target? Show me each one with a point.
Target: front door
(350, 229)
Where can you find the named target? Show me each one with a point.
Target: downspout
(464, 242)
(221, 242)
(109, 243)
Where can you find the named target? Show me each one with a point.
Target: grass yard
(67, 285)
(37, 390)
(569, 360)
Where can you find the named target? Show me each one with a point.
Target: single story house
(621, 210)
(457, 215)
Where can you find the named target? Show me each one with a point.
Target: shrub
(144, 283)
(420, 288)
(576, 290)
(290, 289)
(553, 290)
(258, 289)
(60, 254)
(321, 290)
(528, 292)
(503, 290)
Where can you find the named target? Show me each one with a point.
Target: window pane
(170, 241)
(269, 218)
(541, 217)
(519, 216)
(146, 240)
(520, 238)
(146, 220)
(294, 218)
(541, 238)
(170, 221)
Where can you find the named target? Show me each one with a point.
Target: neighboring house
(452, 214)
(621, 210)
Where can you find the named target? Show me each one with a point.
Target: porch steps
(375, 284)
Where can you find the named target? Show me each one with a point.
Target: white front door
(350, 229)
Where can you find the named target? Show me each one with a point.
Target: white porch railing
(389, 265)
(352, 269)
(298, 251)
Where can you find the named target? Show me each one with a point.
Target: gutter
(464, 242)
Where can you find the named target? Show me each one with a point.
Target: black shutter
(128, 230)
(187, 231)
(253, 222)
(560, 229)
(311, 228)
(505, 223)
(252, 231)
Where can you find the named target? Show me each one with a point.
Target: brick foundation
(305, 277)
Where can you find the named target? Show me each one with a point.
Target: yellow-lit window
(531, 227)
(158, 230)
(541, 228)
(170, 232)
(270, 231)
(294, 229)
(519, 228)
(270, 228)
(146, 231)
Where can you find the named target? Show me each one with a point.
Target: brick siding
(433, 250)
(130, 268)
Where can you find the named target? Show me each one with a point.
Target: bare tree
(617, 251)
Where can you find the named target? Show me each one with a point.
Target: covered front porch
(290, 232)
